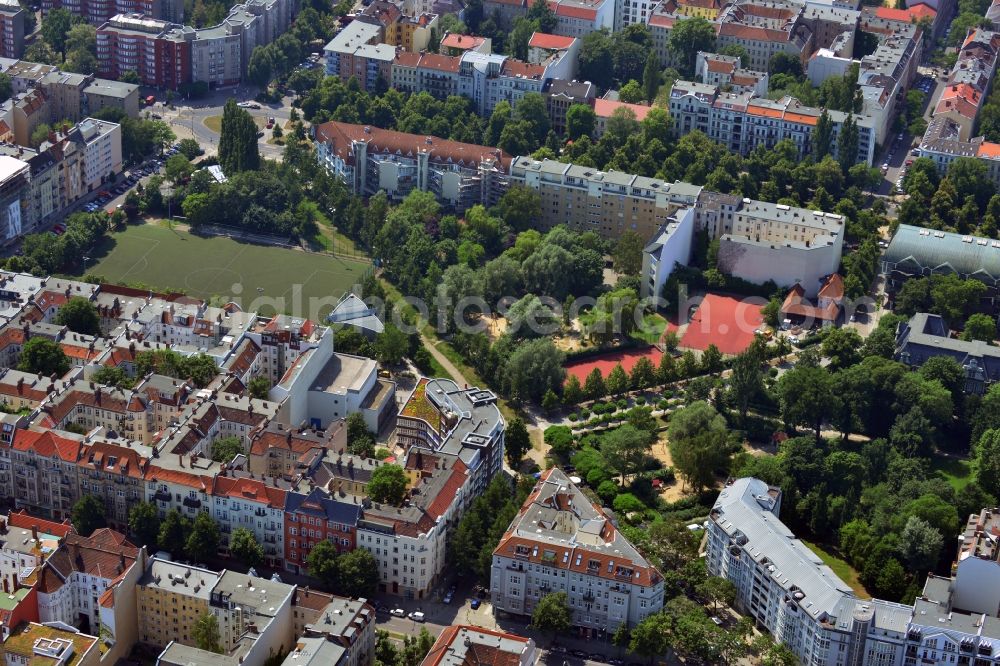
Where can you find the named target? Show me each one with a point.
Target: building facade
(562, 542)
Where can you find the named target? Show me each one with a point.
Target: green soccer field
(258, 277)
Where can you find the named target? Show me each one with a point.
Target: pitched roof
(454, 40)
(47, 444)
(24, 520)
(542, 40)
(252, 490)
(604, 108)
(104, 554)
(341, 136)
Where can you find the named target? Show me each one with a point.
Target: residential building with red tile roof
(75, 576)
(25, 543)
(251, 503)
(743, 121)
(460, 175)
(25, 390)
(467, 645)
(44, 471)
(454, 44)
(765, 28)
(348, 623)
(727, 72)
(562, 541)
(409, 541)
(275, 450)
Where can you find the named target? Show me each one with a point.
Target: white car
(417, 616)
(398, 612)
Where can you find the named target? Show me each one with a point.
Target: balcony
(192, 502)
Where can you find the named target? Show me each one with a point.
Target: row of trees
(964, 200)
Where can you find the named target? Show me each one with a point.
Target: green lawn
(652, 328)
(263, 278)
(840, 567)
(955, 471)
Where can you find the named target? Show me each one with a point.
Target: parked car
(476, 603)
(398, 612)
(417, 616)
(447, 598)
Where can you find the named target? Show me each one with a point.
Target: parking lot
(115, 195)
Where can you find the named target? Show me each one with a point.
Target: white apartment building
(75, 576)
(239, 501)
(743, 121)
(784, 244)
(410, 542)
(787, 590)
(102, 154)
(562, 542)
(669, 247)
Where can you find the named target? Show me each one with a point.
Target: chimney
(34, 532)
(180, 459)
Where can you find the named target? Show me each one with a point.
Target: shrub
(596, 476)
(622, 403)
(584, 413)
(573, 416)
(640, 400)
(773, 372)
(627, 503)
(663, 403)
(608, 491)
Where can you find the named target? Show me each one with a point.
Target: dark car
(579, 654)
(476, 603)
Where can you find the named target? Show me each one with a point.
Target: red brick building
(158, 51)
(316, 517)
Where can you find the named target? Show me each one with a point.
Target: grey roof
(925, 251)
(315, 651)
(476, 415)
(933, 613)
(353, 311)
(176, 654)
(745, 507)
(926, 336)
(109, 88)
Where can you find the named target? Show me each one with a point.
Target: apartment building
(167, 54)
(465, 645)
(969, 81)
(281, 339)
(664, 15)
(670, 246)
(579, 18)
(158, 51)
(250, 503)
(357, 52)
(787, 590)
(34, 643)
(322, 514)
(15, 180)
(103, 93)
(560, 541)
(97, 12)
(885, 75)
(345, 625)
(783, 244)
(74, 577)
(743, 121)
(465, 423)
(411, 33)
(171, 598)
(726, 72)
(39, 471)
(369, 159)
(766, 28)
(410, 542)
(560, 95)
(12, 18)
(279, 451)
(608, 203)
(25, 544)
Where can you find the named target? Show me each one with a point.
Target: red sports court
(726, 322)
(607, 362)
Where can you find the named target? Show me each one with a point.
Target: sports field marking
(142, 258)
